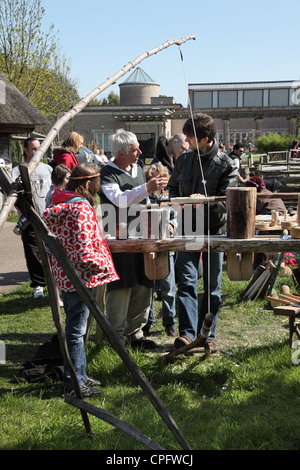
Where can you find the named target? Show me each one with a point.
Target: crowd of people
(192, 164)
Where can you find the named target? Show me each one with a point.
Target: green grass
(244, 397)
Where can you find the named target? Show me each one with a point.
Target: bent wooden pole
(53, 296)
(58, 251)
(79, 107)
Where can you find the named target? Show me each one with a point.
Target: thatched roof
(17, 113)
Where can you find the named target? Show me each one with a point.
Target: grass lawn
(246, 396)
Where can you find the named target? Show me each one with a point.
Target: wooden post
(154, 221)
(241, 209)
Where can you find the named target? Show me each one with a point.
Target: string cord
(203, 181)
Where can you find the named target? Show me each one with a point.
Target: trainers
(182, 341)
(143, 343)
(87, 391)
(146, 331)
(38, 292)
(170, 330)
(90, 382)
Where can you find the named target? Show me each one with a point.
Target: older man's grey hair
(121, 141)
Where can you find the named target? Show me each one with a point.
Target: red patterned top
(77, 227)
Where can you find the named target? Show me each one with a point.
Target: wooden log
(276, 301)
(215, 243)
(241, 209)
(295, 298)
(285, 297)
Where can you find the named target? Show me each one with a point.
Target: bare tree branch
(79, 107)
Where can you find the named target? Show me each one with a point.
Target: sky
(236, 41)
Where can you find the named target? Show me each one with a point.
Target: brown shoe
(182, 341)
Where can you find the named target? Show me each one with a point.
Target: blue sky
(236, 41)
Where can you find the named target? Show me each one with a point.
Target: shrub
(274, 142)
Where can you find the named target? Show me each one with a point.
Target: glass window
(279, 97)
(202, 99)
(103, 140)
(228, 99)
(253, 98)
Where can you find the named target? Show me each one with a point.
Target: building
(141, 111)
(243, 111)
(17, 116)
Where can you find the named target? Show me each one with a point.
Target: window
(103, 140)
(227, 99)
(279, 97)
(202, 99)
(253, 98)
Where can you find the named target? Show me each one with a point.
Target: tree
(30, 58)
(112, 99)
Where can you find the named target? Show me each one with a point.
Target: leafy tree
(30, 58)
(273, 142)
(112, 99)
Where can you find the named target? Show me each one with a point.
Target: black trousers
(32, 257)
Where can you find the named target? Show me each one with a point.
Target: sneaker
(170, 330)
(182, 341)
(146, 331)
(143, 343)
(87, 391)
(38, 292)
(90, 382)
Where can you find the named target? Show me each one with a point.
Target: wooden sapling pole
(241, 208)
(52, 291)
(58, 251)
(77, 401)
(79, 107)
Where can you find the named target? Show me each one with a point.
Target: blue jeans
(168, 295)
(190, 319)
(77, 315)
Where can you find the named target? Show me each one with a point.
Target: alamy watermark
(295, 97)
(2, 353)
(157, 222)
(2, 92)
(296, 354)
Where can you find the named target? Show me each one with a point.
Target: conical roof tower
(138, 89)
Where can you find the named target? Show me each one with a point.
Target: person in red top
(71, 217)
(66, 154)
